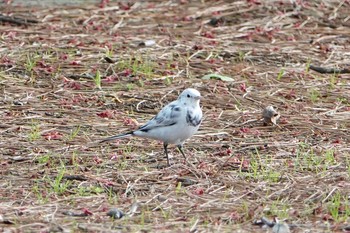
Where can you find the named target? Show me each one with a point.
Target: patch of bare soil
(71, 76)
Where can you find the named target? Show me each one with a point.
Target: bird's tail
(124, 135)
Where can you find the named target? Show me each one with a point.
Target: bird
(174, 124)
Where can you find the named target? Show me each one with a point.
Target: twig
(324, 70)
(17, 20)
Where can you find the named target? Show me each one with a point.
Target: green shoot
(280, 74)
(97, 79)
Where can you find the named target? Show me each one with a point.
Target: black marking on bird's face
(193, 120)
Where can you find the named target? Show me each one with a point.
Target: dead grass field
(83, 73)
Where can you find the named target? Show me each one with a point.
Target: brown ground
(53, 114)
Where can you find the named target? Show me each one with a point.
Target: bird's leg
(165, 145)
(183, 154)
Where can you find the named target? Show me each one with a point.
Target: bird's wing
(168, 116)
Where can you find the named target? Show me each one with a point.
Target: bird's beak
(198, 97)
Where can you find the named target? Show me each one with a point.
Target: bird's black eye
(188, 96)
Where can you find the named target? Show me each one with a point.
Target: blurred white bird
(175, 123)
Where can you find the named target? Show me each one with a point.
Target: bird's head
(191, 96)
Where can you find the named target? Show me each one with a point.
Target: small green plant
(259, 169)
(280, 209)
(307, 67)
(333, 80)
(307, 159)
(254, 167)
(272, 175)
(245, 209)
(166, 213)
(96, 189)
(43, 159)
(74, 133)
(112, 196)
(74, 160)
(339, 207)
(333, 207)
(348, 165)
(140, 66)
(142, 218)
(130, 86)
(58, 185)
(30, 63)
(109, 52)
(82, 191)
(124, 64)
(312, 160)
(167, 81)
(343, 100)
(241, 56)
(178, 188)
(314, 95)
(137, 65)
(37, 189)
(280, 74)
(34, 133)
(329, 158)
(122, 163)
(140, 83)
(97, 79)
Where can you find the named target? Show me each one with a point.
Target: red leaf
(110, 79)
(253, 2)
(71, 84)
(245, 164)
(41, 64)
(74, 63)
(187, 18)
(234, 216)
(126, 72)
(327, 217)
(209, 35)
(63, 56)
(125, 6)
(244, 130)
(53, 135)
(87, 212)
(198, 191)
(97, 160)
(197, 47)
(130, 122)
(337, 141)
(243, 87)
(106, 114)
(103, 3)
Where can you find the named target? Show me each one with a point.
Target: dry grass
(53, 113)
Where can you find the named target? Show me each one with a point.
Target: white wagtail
(175, 123)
